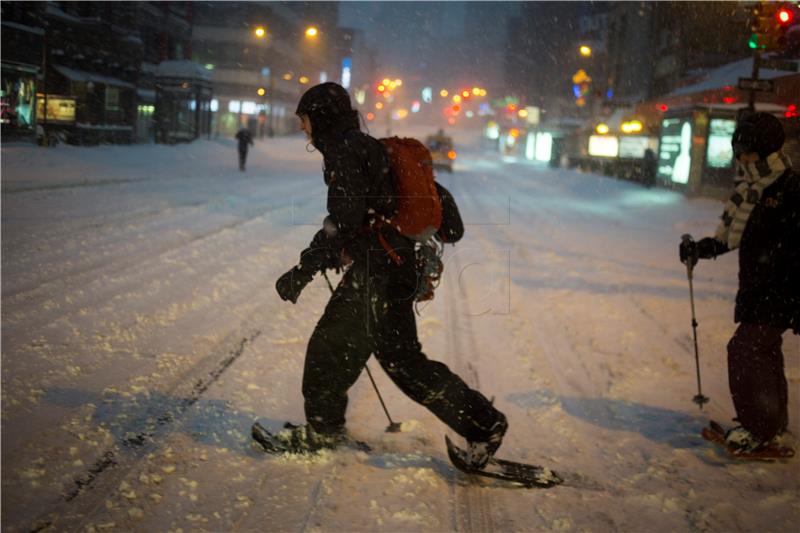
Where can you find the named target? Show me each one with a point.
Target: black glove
(687, 251)
(291, 284)
(710, 248)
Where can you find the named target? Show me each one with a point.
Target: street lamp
(585, 51)
(312, 32)
(260, 32)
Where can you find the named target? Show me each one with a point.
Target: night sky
(435, 41)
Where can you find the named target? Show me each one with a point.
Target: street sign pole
(756, 63)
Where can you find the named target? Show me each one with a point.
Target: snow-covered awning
(728, 76)
(84, 76)
(183, 69)
(29, 29)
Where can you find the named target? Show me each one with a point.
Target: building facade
(91, 69)
(261, 59)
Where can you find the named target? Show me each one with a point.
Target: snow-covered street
(142, 336)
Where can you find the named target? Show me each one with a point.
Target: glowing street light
(303, 79)
(602, 129)
(312, 32)
(457, 99)
(261, 91)
(476, 91)
(585, 51)
(443, 93)
(260, 32)
(633, 126)
(287, 76)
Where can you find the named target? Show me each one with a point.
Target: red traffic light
(784, 16)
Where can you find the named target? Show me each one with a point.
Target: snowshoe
(302, 440)
(527, 475)
(478, 453)
(741, 444)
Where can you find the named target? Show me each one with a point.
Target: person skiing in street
(762, 220)
(245, 139)
(371, 310)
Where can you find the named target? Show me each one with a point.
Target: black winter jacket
(360, 185)
(769, 257)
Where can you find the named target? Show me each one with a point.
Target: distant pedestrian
(649, 168)
(762, 220)
(245, 139)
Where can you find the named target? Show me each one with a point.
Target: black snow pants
(371, 312)
(242, 157)
(757, 380)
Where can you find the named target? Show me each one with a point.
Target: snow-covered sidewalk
(142, 336)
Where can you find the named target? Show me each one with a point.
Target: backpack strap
(380, 221)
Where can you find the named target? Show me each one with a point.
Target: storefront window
(59, 108)
(17, 98)
(112, 99)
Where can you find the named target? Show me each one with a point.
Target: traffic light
(784, 16)
(769, 24)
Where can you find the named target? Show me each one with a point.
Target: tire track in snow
(87, 492)
(486, 237)
(472, 509)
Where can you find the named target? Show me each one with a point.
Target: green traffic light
(753, 41)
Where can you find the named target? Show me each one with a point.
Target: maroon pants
(757, 381)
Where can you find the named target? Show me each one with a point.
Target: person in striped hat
(762, 220)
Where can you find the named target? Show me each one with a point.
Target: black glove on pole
(291, 284)
(393, 427)
(688, 254)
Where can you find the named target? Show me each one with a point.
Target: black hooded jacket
(357, 171)
(769, 257)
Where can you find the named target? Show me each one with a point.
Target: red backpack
(419, 208)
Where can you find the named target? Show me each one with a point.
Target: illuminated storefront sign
(544, 146)
(603, 146)
(720, 153)
(347, 69)
(674, 157)
(530, 143)
(59, 108)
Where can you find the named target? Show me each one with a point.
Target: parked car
(442, 152)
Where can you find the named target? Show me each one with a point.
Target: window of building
(112, 99)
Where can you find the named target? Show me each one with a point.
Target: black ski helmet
(329, 109)
(325, 98)
(760, 132)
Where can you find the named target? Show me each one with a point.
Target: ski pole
(699, 398)
(393, 427)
